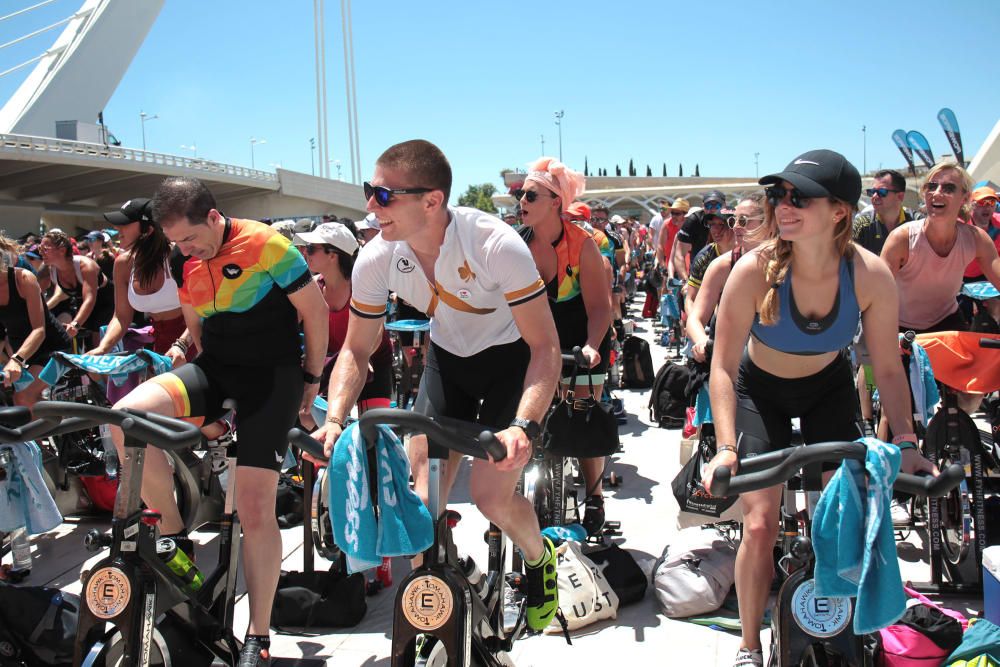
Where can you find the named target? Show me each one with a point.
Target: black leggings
(826, 404)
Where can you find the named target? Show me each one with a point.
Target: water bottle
(179, 563)
(20, 547)
(110, 453)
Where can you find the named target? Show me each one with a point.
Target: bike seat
(14, 416)
(408, 325)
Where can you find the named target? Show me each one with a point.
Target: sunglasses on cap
(881, 192)
(384, 195)
(946, 188)
(529, 195)
(776, 194)
(741, 220)
(713, 206)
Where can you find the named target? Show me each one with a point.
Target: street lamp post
(756, 165)
(864, 148)
(193, 148)
(543, 144)
(312, 155)
(253, 142)
(143, 117)
(335, 163)
(559, 117)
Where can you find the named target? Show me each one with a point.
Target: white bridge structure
(48, 181)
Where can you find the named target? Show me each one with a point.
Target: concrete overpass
(68, 184)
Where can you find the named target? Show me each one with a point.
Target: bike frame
(132, 587)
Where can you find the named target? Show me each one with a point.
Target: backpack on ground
(925, 635)
(637, 372)
(668, 401)
(37, 625)
(695, 572)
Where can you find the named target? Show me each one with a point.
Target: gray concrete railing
(16, 143)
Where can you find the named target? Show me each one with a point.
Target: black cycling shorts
(267, 403)
(484, 388)
(826, 404)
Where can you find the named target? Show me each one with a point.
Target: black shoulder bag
(581, 427)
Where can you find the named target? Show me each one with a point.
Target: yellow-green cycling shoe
(543, 590)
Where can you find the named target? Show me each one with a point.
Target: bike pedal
(612, 525)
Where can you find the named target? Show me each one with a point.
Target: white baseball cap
(329, 233)
(368, 222)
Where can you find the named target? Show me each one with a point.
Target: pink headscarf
(553, 175)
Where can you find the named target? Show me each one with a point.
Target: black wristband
(310, 378)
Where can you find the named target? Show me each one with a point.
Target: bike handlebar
(773, 468)
(16, 425)
(576, 357)
(992, 343)
(158, 430)
(307, 443)
(454, 434)
(461, 436)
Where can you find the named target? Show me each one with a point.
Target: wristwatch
(530, 428)
(310, 378)
(20, 360)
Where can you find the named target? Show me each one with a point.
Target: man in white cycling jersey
(494, 352)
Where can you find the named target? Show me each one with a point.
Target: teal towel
(854, 542)
(116, 366)
(404, 526)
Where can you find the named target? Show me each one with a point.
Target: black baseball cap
(134, 210)
(821, 173)
(714, 195)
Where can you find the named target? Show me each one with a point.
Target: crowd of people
(791, 295)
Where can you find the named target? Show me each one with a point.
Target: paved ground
(639, 636)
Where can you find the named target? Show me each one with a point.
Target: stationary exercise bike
(806, 629)
(157, 617)
(438, 598)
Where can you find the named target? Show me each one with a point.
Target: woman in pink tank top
(928, 257)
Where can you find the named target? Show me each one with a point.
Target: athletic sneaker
(593, 516)
(899, 512)
(543, 590)
(254, 653)
(748, 658)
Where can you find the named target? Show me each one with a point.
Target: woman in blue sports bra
(798, 299)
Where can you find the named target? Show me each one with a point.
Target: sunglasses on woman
(530, 195)
(742, 220)
(776, 194)
(946, 188)
(384, 195)
(312, 249)
(713, 206)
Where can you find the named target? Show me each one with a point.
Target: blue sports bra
(797, 334)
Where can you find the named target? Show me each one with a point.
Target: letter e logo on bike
(819, 616)
(427, 602)
(108, 592)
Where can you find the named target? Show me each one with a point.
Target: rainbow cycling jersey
(483, 268)
(241, 295)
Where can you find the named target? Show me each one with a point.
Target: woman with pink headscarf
(579, 293)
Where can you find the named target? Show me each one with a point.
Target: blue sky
(702, 82)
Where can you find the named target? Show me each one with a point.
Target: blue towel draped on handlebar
(854, 542)
(404, 526)
(24, 498)
(116, 366)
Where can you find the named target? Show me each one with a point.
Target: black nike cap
(821, 173)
